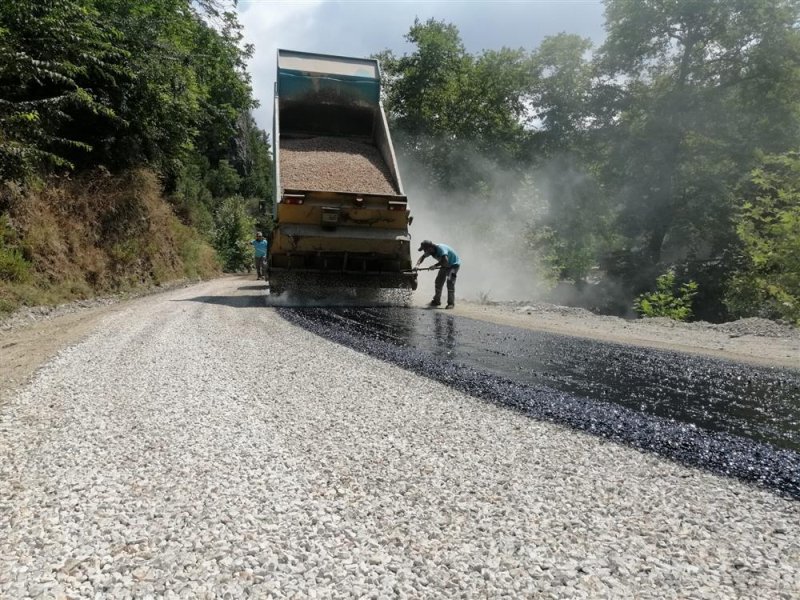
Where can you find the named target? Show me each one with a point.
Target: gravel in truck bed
(334, 164)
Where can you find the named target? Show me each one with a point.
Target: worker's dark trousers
(261, 262)
(450, 274)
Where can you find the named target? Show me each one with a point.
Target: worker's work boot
(434, 302)
(450, 305)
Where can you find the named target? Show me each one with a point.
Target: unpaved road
(27, 342)
(194, 444)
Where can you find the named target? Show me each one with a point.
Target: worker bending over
(449, 262)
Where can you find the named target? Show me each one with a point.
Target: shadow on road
(284, 301)
(232, 301)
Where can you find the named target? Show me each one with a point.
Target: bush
(198, 257)
(666, 301)
(232, 234)
(768, 225)
(13, 266)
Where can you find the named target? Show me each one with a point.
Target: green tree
(667, 300)
(423, 87)
(223, 181)
(189, 84)
(561, 94)
(768, 226)
(118, 83)
(254, 160)
(684, 79)
(574, 230)
(52, 53)
(232, 234)
(422, 91)
(227, 98)
(458, 115)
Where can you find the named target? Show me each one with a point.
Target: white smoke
(487, 231)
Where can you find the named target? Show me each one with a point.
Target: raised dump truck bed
(340, 212)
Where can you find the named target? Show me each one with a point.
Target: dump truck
(340, 215)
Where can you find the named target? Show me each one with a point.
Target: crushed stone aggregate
(331, 163)
(212, 449)
(682, 440)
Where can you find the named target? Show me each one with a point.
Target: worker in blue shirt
(260, 251)
(449, 264)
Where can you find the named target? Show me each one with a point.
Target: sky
(363, 27)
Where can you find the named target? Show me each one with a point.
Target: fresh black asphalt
(733, 419)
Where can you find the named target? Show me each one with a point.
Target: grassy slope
(95, 235)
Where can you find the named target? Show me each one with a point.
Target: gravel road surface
(198, 445)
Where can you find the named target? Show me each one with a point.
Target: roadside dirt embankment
(95, 235)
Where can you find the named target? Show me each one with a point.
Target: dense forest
(659, 171)
(107, 108)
